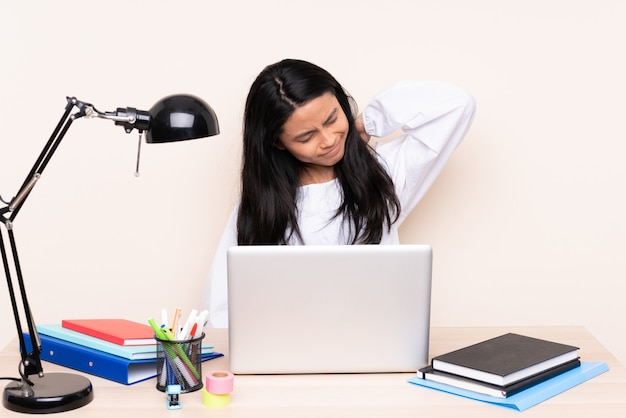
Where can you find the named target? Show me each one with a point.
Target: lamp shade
(181, 117)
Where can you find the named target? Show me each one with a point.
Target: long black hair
(270, 176)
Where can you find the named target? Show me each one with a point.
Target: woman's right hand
(360, 127)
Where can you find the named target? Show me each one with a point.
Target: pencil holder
(179, 362)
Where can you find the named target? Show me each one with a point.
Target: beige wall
(526, 221)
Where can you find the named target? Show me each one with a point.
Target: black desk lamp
(174, 118)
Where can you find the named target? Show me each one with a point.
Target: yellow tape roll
(214, 401)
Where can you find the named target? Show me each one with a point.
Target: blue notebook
(531, 396)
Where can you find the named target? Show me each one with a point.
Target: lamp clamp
(128, 117)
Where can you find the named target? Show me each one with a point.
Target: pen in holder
(179, 362)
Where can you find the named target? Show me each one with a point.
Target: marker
(175, 320)
(164, 320)
(194, 347)
(157, 330)
(184, 332)
(203, 319)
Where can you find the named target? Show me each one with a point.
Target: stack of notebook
(507, 369)
(116, 349)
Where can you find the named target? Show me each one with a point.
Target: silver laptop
(329, 309)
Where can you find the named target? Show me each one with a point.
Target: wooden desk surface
(354, 395)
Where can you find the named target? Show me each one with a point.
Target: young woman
(309, 176)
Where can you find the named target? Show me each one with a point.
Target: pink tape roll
(219, 382)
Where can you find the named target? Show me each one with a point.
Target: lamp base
(54, 392)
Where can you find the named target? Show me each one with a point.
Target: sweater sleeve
(215, 295)
(434, 118)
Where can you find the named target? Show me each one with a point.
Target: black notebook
(461, 382)
(506, 359)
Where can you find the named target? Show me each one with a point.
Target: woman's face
(316, 132)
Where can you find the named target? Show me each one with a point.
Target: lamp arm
(30, 361)
(44, 158)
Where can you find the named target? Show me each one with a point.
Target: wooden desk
(369, 395)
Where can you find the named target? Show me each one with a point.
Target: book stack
(502, 366)
(510, 370)
(115, 349)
